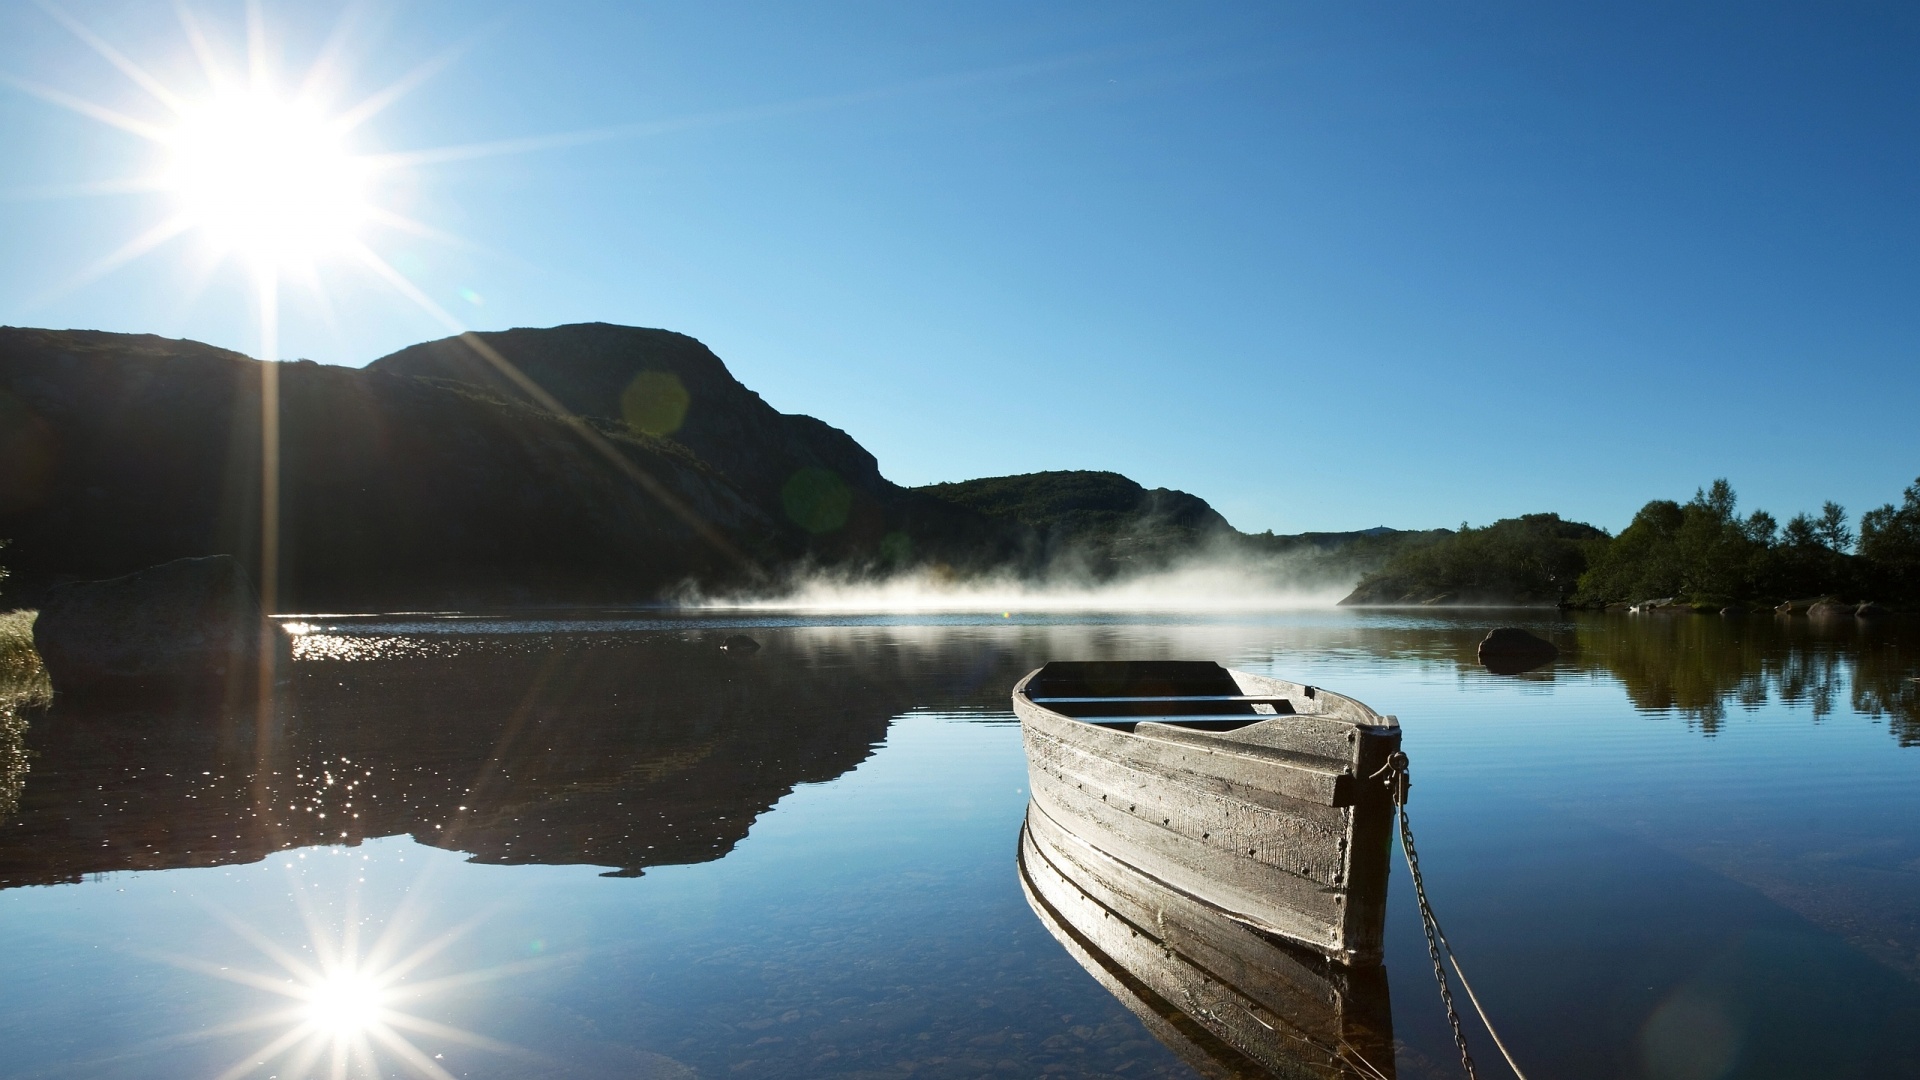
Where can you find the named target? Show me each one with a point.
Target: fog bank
(1213, 583)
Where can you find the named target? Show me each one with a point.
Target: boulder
(1734, 611)
(1870, 610)
(1509, 650)
(1830, 609)
(740, 644)
(183, 625)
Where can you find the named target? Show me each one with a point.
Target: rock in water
(740, 643)
(1509, 650)
(1830, 609)
(191, 624)
(1870, 610)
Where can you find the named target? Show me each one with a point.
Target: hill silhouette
(588, 463)
(1102, 519)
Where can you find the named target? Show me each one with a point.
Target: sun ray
(202, 49)
(409, 1053)
(547, 401)
(292, 964)
(273, 1048)
(721, 117)
(402, 967)
(378, 101)
(113, 260)
(188, 1038)
(114, 56)
(132, 185)
(475, 977)
(327, 63)
(451, 1034)
(259, 74)
(241, 976)
(151, 132)
(304, 1057)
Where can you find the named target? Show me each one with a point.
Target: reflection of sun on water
(348, 1011)
(345, 1003)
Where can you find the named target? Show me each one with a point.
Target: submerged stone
(1509, 650)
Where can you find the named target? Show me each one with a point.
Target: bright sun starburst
(258, 165)
(348, 1011)
(345, 1003)
(269, 179)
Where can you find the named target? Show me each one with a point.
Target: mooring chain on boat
(1398, 779)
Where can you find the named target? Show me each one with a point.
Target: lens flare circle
(270, 179)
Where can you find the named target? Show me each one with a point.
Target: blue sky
(1327, 266)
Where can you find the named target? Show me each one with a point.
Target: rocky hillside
(424, 481)
(1101, 520)
(579, 464)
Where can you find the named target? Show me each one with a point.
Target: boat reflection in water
(1229, 999)
(1212, 846)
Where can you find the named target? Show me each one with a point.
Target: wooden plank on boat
(1278, 821)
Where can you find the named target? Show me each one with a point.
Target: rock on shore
(183, 625)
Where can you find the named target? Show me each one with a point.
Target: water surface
(596, 845)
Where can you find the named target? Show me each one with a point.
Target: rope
(1398, 780)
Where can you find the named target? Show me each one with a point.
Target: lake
(597, 845)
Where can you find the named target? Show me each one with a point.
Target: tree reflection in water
(1703, 666)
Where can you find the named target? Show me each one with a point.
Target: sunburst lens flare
(267, 179)
(345, 1003)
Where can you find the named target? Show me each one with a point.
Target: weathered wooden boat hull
(1230, 1000)
(1280, 822)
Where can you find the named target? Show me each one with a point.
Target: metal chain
(1398, 780)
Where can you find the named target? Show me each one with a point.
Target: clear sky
(1326, 265)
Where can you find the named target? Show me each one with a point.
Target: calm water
(600, 847)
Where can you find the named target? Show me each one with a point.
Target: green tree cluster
(1531, 559)
(1890, 544)
(1703, 552)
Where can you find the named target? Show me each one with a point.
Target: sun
(267, 179)
(345, 1003)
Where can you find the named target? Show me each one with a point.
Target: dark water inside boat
(599, 846)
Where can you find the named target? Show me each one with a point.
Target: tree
(1831, 527)
(1890, 543)
(1800, 532)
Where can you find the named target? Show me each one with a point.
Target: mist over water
(1206, 583)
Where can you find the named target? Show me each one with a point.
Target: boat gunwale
(1316, 700)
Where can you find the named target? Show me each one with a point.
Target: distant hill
(423, 480)
(1100, 519)
(579, 464)
(1529, 560)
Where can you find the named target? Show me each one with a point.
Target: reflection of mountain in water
(1229, 1000)
(624, 752)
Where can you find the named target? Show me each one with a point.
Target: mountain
(425, 481)
(1099, 519)
(579, 464)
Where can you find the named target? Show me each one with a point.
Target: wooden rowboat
(1228, 999)
(1256, 798)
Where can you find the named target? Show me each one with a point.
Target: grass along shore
(23, 685)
